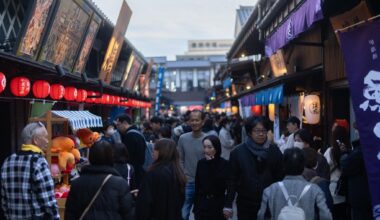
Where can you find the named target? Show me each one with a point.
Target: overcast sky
(162, 27)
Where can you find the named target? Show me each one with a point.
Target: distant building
(189, 78)
(207, 47)
(242, 15)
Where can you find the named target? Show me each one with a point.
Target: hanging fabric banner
(160, 79)
(298, 22)
(361, 50)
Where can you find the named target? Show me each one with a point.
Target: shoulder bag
(95, 196)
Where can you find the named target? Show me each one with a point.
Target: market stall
(60, 123)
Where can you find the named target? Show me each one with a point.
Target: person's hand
(209, 157)
(135, 192)
(227, 214)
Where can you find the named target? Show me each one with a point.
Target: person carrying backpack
(293, 198)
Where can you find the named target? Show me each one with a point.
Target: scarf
(31, 147)
(261, 151)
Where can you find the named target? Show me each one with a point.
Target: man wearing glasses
(27, 189)
(254, 165)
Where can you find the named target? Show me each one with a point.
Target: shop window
(12, 15)
(186, 81)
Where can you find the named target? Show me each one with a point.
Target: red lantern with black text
(71, 93)
(57, 91)
(41, 89)
(3, 82)
(82, 95)
(20, 86)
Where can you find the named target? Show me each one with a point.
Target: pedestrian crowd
(167, 167)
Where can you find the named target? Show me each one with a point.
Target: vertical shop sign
(358, 13)
(160, 79)
(361, 50)
(116, 42)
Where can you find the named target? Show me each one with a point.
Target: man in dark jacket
(135, 143)
(254, 165)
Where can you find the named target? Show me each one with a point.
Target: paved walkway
(233, 218)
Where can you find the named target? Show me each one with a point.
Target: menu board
(66, 33)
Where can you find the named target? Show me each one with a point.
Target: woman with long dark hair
(161, 193)
(210, 182)
(332, 155)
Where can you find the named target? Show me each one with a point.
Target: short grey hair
(30, 130)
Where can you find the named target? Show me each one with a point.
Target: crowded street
(190, 110)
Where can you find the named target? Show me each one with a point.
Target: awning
(80, 119)
(273, 95)
(227, 83)
(299, 21)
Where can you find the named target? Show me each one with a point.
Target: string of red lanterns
(20, 86)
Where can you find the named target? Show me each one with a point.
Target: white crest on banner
(371, 92)
(376, 211)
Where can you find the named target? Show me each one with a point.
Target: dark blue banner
(160, 80)
(361, 50)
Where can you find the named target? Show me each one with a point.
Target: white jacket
(227, 143)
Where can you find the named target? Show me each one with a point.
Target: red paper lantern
(20, 86)
(3, 82)
(117, 100)
(82, 95)
(57, 91)
(98, 100)
(256, 110)
(105, 99)
(112, 100)
(71, 93)
(90, 100)
(41, 89)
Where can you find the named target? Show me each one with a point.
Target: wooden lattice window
(12, 14)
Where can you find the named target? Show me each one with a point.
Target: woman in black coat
(210, 182)
(161, 192)
(114, 200)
